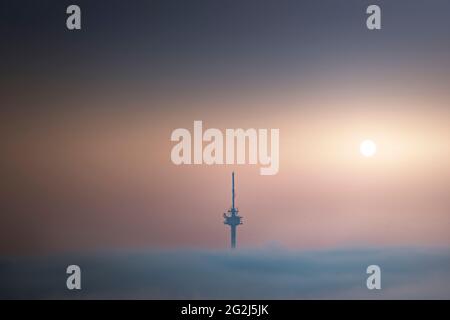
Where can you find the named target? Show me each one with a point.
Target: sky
(86, 119)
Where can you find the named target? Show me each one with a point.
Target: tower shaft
(233, 237)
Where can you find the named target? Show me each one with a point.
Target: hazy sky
(86, 119)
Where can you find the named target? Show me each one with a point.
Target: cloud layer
(270, 273)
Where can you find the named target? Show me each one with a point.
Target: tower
(231, 217)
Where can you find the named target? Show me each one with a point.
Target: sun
(368, 148)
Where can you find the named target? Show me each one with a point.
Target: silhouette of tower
(231, 217)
